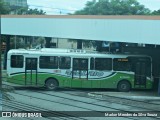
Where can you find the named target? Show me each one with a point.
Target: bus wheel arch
(123, 86)
(51, 83)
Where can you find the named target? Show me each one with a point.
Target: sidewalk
(135, 95)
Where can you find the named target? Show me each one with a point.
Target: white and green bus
(55, 68)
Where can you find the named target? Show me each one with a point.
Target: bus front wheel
(124, 86)
(51, 84)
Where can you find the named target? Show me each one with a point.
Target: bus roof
(67, 52)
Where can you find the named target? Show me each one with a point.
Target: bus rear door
(140, 74)
(31, 71)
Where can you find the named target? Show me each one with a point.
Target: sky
(63, 7)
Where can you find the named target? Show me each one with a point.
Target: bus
(53, 68)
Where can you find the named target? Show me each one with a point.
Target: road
(62, 100)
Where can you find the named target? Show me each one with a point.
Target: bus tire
(52, 84)
(124, 86)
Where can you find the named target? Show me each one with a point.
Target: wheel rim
(123, 86)
(51, 85)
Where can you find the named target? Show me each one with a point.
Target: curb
(100, 95)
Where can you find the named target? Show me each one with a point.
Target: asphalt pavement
(134, 94)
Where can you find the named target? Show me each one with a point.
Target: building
(60, 43)
(20, 3)
(15, 5)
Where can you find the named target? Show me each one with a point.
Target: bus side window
(17, 61)
(53, 62)
(80, 64)
(64, 62)
(103, 64)
(121, 64)
(48, 62)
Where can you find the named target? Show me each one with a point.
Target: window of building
(48, 62)
(17, 61)
(103, 64)
(64, 62)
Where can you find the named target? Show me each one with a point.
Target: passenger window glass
(121, 64)
(80, 64)
(103, 64)
(48, 62)
(17, 61)
(64, 62)
(31, 63)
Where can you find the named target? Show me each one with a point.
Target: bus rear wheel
(51, 84)
(124, 86)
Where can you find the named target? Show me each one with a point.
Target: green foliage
(156, 12)
(22, 10)
(113, 7)
(27, 11)
(4, 8)
(35, 12)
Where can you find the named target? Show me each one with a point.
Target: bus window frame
(16, 61)
(57, 62)
(59, 65)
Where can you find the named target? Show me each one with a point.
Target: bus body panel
(80, 83)
(87, 77)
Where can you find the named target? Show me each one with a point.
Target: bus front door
(79, 71)
(31, 71)
(140, 74)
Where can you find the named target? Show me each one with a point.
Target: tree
(113, 7)
(35, 12)
(4, 8)
(30, 11)
(156, 12)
